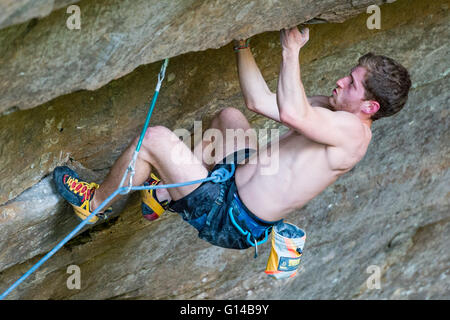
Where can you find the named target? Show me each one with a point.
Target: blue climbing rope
(218, 176)
(130, 169)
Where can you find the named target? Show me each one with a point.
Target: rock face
(43, 59)
(390, 213)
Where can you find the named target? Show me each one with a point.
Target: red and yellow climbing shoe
(152, 209)
(78, 193)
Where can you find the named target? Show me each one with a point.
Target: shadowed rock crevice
(118, 36)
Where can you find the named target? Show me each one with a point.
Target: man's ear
(370, 107)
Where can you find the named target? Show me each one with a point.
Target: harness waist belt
(246, 219)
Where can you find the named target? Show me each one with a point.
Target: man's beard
(332, 103)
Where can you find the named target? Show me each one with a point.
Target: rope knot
(222, 174)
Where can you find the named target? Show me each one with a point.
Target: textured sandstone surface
(391, 210)
(42, 59)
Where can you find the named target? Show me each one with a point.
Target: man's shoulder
(357, 134)
(350, 121)
(344, 119)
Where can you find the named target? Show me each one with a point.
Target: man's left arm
(316, 123)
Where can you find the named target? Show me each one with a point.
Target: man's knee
(157, 134)
(229, 113)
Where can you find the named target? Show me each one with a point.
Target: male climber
(328, 135)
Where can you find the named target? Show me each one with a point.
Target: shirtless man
(327, 137)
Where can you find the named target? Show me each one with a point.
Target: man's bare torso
(305, 169)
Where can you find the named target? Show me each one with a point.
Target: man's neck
(320, 101)
(367, 122)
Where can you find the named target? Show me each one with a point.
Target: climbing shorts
(218, 213)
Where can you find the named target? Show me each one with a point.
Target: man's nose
(340, 82)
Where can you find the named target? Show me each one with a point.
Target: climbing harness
(218, 176)
(249, 235)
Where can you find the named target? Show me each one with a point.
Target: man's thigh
(173, 160)
(230, 131)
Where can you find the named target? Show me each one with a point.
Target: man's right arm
(257, 95)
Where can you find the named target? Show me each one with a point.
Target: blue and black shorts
(218, 213)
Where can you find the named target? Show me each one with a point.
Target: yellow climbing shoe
(152, 209)
(78, 193)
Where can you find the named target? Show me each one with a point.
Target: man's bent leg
(114, 177)
(236, 135)
(162, 150)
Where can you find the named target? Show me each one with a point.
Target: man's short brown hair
(386, 82)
